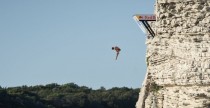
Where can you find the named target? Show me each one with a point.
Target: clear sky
(64, 41)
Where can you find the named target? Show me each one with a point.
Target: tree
(69, 95)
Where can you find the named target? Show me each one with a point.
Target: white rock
(179, 55)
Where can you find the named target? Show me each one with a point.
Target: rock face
(178, 57)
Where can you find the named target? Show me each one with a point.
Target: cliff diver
(117, 49)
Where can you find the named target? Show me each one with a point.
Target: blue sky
(63, 41)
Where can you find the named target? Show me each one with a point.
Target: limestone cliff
(178, 57)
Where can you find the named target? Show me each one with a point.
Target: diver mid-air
(117, 49)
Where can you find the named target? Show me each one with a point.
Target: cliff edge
(178, 57)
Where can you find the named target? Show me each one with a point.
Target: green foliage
(154, 87)
(67, 96)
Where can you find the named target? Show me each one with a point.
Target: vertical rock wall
(178, 57)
